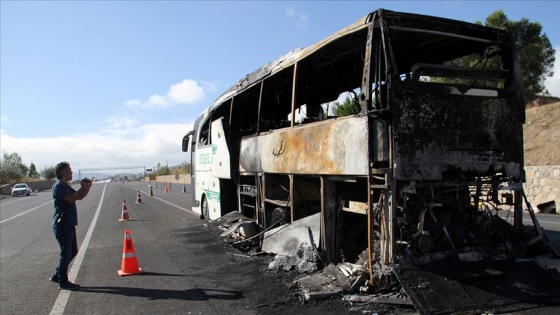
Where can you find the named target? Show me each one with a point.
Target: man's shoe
(68, 286)
(54, 278)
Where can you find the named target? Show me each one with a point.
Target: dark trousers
(66, 237)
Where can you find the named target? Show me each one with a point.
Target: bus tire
(204, 209)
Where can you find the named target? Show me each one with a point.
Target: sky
(108, 84)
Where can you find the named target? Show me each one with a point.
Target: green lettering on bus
(204, 158)
(212, 195)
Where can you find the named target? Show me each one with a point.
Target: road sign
(176, 176)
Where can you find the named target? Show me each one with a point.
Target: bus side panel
(207, 184)
(331, 147)
(203, 161)
(213, 197)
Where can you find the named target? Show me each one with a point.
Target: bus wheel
(204, 209)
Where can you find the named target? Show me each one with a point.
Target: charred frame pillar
(328, 220)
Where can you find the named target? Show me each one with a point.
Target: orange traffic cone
(138, 198)
(151, 191)
(129, 264)
(124, 214)
(165, 190)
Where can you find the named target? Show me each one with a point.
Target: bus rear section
(448, 203)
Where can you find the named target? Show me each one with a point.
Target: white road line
(542, 221)
(60, 303)
(12, 201)
(169, 203)
(26, 212)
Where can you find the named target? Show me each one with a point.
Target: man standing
(65, 220)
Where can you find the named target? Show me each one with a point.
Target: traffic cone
(165, 190)
(151, 191)
(124, 214)
(129, 264)
(138, 198)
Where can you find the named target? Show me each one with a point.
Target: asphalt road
(549, 222)
(186, 268)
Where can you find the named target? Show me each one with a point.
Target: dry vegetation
(542, 135)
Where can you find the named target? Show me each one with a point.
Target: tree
(162, 170)
(184, 168)
(12, 169)
(48, 173)
(535, 53)
(32, 171)
(348, 107)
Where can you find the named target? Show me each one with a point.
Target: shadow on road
(158, 294)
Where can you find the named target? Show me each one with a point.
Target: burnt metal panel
(332, 147)
(440, 135)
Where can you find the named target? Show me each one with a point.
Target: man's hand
(81, 193)
(86, 183)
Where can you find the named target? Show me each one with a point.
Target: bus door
(213, 165)
(190, 138)
(220, 154)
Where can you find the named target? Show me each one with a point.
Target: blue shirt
(60, 190)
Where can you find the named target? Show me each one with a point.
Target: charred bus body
(415, 175)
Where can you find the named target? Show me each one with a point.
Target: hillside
(542, 135)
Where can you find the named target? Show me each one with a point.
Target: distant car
(21, 190)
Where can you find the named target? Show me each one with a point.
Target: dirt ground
(542, 135)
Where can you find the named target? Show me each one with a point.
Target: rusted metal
(334, 147)
(357, 207)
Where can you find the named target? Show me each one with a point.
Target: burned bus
(414, 173)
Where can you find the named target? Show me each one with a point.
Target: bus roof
(401, 19)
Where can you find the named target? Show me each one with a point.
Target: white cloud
(209, 86)
(157, 101)
(290, 11)
(111, 147)
(119, 122)
(3, 118)
(303, 20)
(121, 126)
(300, 19)
(553, 84)
(133, 103)
(185, 92)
